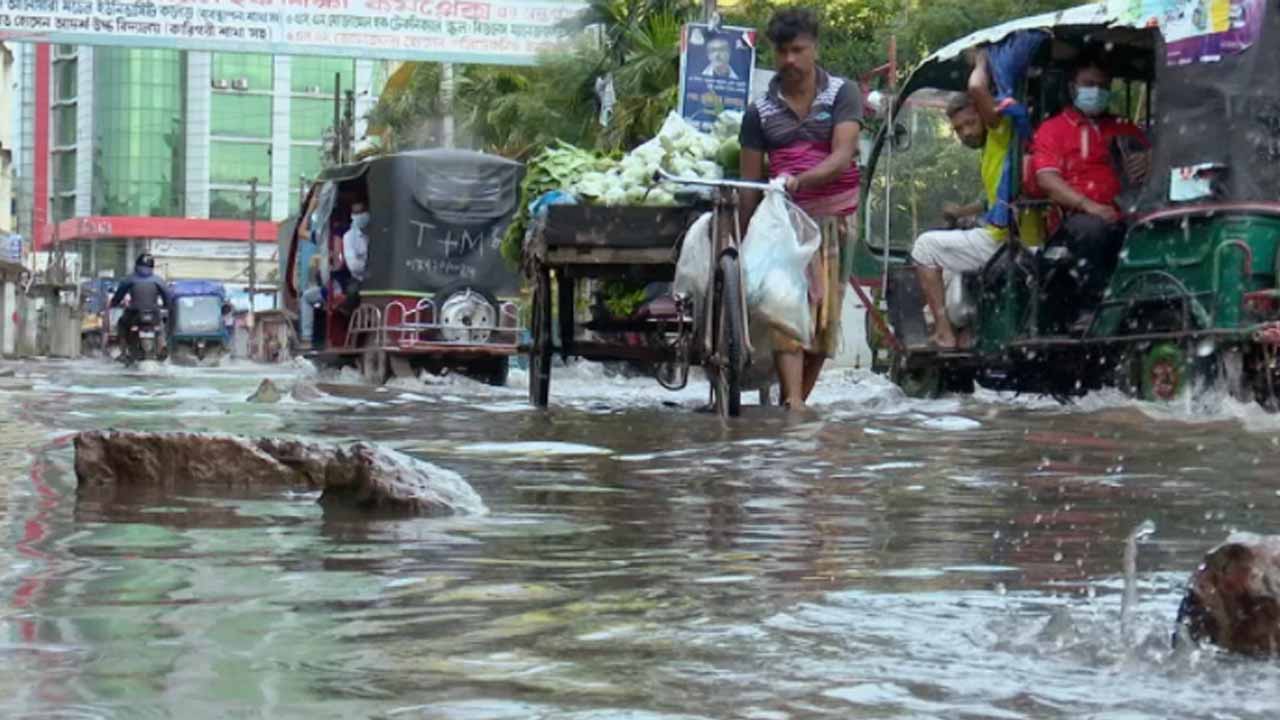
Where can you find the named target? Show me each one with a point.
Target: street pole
(446, 100)
(253, 245)
(337, 118)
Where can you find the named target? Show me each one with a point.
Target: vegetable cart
(573, 243)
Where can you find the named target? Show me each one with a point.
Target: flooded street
(881, 557)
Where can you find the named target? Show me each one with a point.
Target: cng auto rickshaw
(1193, 298)
(98, 322)
(198, 327)
(437, 294)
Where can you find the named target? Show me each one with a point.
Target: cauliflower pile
(679, 149)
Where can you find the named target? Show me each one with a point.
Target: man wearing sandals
(941, 255)
(808, 125)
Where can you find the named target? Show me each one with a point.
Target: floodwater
(878, 558)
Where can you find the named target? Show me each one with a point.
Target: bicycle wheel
(730, 338)
(540, 349)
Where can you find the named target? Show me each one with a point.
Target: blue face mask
(1092, 100)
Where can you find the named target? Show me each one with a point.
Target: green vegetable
(729, 156)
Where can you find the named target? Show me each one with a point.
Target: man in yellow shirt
(978, 124)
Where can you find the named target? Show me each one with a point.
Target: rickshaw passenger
(978, 124)
(808, 123)
(354, 257)
(1071, 155)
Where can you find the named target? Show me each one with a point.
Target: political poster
(13, 249)
(509, 32)
(717, 65)
(1196, 30)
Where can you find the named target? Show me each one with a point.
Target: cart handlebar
(739, 184)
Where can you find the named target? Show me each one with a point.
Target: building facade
(126, 149)
(8, 88)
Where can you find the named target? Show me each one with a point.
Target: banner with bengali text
(508, 32)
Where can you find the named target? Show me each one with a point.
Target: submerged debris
(267, 392)
(362, 475)
(1233, 598)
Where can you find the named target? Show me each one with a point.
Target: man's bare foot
(943, 341)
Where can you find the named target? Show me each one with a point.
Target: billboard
(506, 32)
(1196, 30)
(717, 67)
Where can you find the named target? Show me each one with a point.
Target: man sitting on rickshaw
(1071, 156)
(978, 124)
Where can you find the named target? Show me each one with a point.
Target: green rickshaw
(1193, 298)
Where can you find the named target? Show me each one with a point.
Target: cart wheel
(918, 382)
(540, 349)
(729, 341)
(497, 371)
(373, 366)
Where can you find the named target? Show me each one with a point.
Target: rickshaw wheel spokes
(729, 345)
(540, 349)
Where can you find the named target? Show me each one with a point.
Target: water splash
(1144, 530)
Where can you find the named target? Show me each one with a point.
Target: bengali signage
(503, 31)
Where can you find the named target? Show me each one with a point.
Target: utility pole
(337, 118)
(253, 245)
(446, 102)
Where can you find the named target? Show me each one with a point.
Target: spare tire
(461, 307)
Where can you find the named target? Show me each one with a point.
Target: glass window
(64, 208)
(199, 314)
(64, 125)
(315, 74)
(309, 118)
(139, 143)
(243, 71)
(240, 115)
(67, 79)
(64, 171)
(234, 162)
(234, 204)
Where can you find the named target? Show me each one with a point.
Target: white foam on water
(951, 423)
(531, 449)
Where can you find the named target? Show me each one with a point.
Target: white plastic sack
(693, 268)
(780, 242)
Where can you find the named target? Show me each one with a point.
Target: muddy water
(879, 558)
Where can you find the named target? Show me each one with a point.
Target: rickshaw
(198, 322)
(437, 295)
(98, 322)
(575, 243)
(1193, 299)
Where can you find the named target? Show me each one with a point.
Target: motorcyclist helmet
(145, 260)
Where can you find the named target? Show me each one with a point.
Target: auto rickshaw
(1193, 299)
(437, 295)
(198, 322)
(98, 322)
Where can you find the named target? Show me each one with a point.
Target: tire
(730, 340)
(1164, 374)
(922, 383)
(495, 372)
(541, 347)
(441, 297)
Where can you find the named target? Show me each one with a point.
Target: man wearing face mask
(1071, 155)
(355, 255)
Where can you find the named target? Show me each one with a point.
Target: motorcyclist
(145, 290)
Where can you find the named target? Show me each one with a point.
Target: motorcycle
(145, 338)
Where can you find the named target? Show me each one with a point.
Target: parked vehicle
(98, 322)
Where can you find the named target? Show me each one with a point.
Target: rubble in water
(361, 475)
(1233, 598)
(267, 392)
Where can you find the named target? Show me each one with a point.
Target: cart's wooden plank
(617, 227)
(610, 256)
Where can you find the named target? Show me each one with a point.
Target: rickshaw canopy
(436, 219)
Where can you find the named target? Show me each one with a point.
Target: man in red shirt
(1073, 155)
